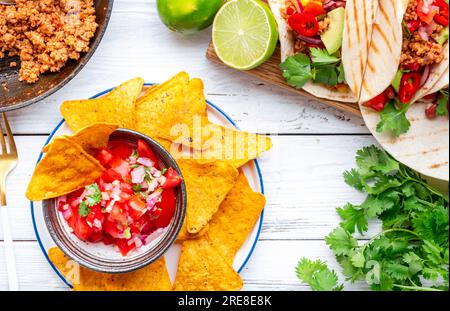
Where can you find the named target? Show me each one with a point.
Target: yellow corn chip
(65, 167)
(91, 138)
(231, 145)
(235, 219)
(171, 109)
(185, 235)
(202, 268)
(153, 277)
(207, 184)
(116, 107)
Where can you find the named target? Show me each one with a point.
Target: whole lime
(188, 16)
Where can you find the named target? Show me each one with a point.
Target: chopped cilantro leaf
(393, 120)
(137, 188)
(317, 275)
(442, 102)
(95, 195)
(297, 70)
(163, 171)
(83, 209)
(321, 57)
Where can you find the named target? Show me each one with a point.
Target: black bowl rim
(170, 241)
(79, 67)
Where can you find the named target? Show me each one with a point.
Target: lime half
(244, 34)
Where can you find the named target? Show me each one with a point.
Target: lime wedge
(244, 34)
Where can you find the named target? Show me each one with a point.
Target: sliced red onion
(329, 5)
(423, 33)
(425, 76)
(145, 161)
(430, 27)
(298, 6)
(137, 175)
(137, 242)
(316, 41)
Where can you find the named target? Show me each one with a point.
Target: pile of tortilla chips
(222, 209)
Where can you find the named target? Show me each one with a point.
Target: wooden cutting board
(270, 72)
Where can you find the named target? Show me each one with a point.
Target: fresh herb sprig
(319, 67)
(93, 198)
(412, 250)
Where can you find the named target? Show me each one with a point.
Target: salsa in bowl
(130, 215)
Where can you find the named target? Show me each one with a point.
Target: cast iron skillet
(15, 94)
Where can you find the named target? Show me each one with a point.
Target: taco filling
(317, 27)
(425, 34)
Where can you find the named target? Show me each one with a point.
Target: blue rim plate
(252, 171)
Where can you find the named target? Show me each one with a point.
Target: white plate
(251, 170)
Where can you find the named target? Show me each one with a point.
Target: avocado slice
(332, 37)
(443, 36)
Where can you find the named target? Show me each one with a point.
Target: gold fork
(8, 161)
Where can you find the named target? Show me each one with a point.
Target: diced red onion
(298, 6)
(145, 161)
(423, 33)
(430, 27)
(137, 242)
(67, 214)
(137, 175)
(316, 41)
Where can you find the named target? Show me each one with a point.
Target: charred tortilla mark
(347, 22)
(371, 66)
(355, 15)
(383, 36)
(439, 165)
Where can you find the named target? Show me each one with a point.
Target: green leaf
(374, 205)
(371, 159)
(442, 101)
(340, 241)
(317, 275)
(83, 209)
(354, 179)
(393, 120)
(352, 217)
(341, 73)
(94, 195)
(297, 70)
(326, 74)
(358, 260)
(321, 57)
(396, 271)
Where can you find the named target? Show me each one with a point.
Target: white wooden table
(313, 145)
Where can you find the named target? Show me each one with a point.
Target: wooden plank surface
(313, 144)
(270, 72)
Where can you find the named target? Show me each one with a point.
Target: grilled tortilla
(355, 47)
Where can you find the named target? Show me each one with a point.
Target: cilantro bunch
(319, 67)
(412, 250)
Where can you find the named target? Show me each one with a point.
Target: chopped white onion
(137, 175)
(146, 162)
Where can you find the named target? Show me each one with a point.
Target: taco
(408, 60)
(325, 45)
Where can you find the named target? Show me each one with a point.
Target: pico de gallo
(318, 27)
(131, 200)
(425, 32)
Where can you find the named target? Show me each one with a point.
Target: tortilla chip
(171, 109)
(207, 184)
(184, 235)
(93, 137)
(235, 219)
(116, 107)
(231, 145)
(202, 268)
(65, 167)
(153, 277)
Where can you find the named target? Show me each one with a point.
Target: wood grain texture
(270, 72)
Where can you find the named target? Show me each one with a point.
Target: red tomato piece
(413, 25)
(145, 151)
(95, 217)
(82, 230)
(167, 206)
(172, 179)
(127, 188)
(425, 11)
(120, 149)
(409, 86)
(96, 236)
(377, 103)
(430, 112)
(304, 24)
(443, 15)
(110, 228)
(314, 8)
(111, 175)
(121, 167)
(118, 213)
(123, 246)
(104, 156)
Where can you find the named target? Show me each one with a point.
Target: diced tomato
(61, 205)
(120, 149)
(413, 25)
(409, 86)
(108, 240)
(290, 10)
(104, 156)
(378, 102)
(111, 175)
(314, 8)
(442, 17)
(425, 11)
(118, 213)
(121, 167)
(167, 206)
(137, 208)
(123, 246)
(172, 179)
(138, 224)
(95, 217)
(411, 66)
(110, 227)
(145, 151)
(127, 188)
(82, 229)
(304, 24)
(96, 236)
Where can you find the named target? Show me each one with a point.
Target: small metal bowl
(106, 258)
